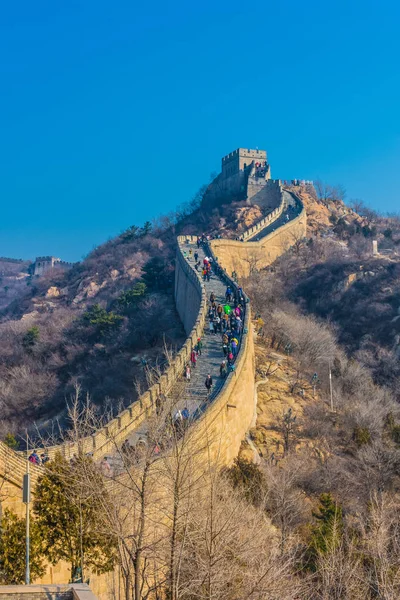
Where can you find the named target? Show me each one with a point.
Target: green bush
(249, 478)
(103, 320)
(328, 531)
(31, 337)
(11, 442)
(361, 436)
(12, 549)
(131, 297)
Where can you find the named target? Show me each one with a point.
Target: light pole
(26, 498)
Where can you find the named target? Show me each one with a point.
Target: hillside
(335, 276)
(104, 325)
(14, 280)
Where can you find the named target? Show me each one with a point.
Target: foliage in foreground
(68, 519)
(13, 548)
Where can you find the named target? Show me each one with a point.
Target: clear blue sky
(112, 112)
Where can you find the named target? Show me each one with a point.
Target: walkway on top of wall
(292, 212)
(194, 397)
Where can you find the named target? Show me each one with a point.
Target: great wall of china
(226, 417)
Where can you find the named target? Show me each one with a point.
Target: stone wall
(220, 430)
(189, 291)
(78, 591)
(264, 193)
(192, 309)
(228, 418)
(270, 218)
(244, 257)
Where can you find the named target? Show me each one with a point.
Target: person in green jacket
(199, 346)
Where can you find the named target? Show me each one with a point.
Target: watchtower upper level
(241, 158)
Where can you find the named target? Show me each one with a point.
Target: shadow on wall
(247, 257)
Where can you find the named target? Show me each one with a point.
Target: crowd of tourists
(225, 318)
(261, 168)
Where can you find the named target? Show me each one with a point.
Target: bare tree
(329, 193)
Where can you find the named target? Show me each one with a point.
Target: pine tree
(131, 297)
(155, 274)
(12, 550)
(147, 228)
(327, 534)
(103, 320)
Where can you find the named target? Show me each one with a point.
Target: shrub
(102, 319)
(361, 436)
(249, 478)
(31, 337)
(11, 442)
(131, 297)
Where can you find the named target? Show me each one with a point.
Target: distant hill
(14, 279)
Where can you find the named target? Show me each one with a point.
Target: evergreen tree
(131, 297)
(155, 274)
(103, 320)
(147, 228)
(327, 534)
(13, 547)
(130, 234)
(11, 442)
(68, 516)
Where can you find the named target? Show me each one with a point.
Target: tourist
(105, 466)
(228, 294)
(187, 372)
(234, 346)
(44, 458)
(193, 358)
(223, 370)
(208, 383)
(177, 421)
(199, 346)
(34, 458)
(126, 448)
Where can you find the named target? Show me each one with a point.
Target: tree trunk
(142, 522)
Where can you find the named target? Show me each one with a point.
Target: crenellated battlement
(43, 264)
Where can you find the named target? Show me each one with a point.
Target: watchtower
(241, 159)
